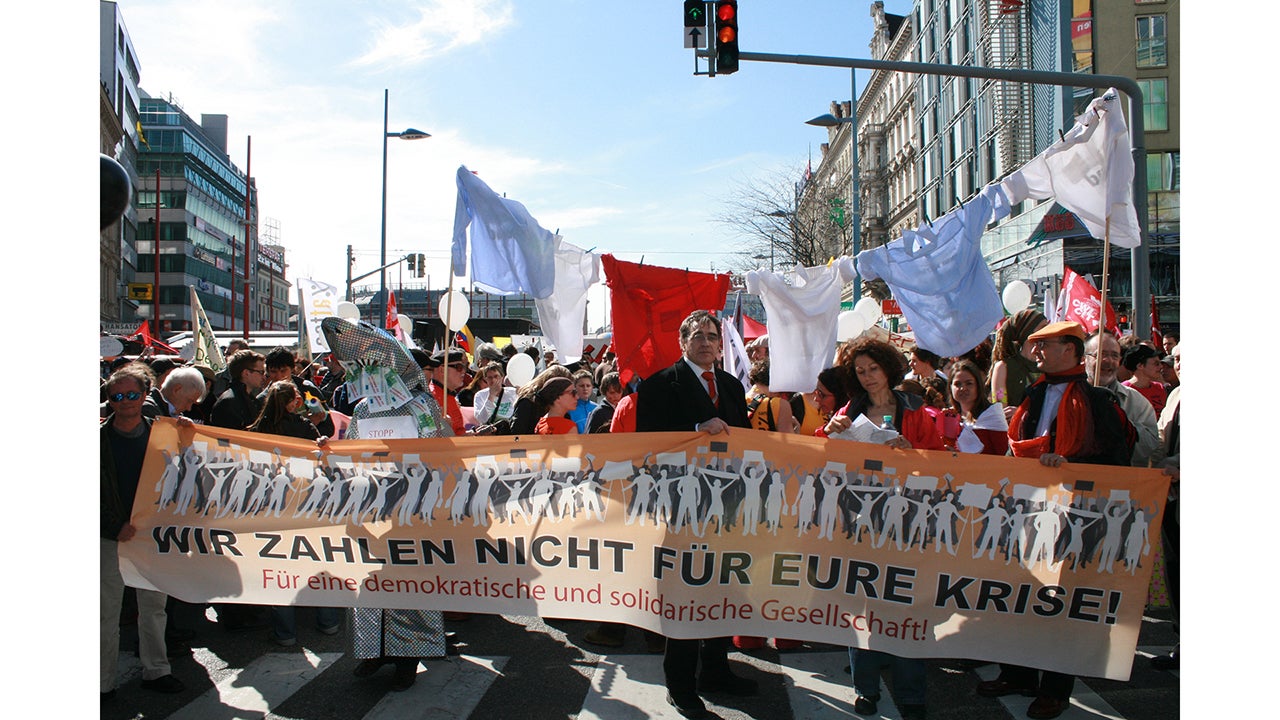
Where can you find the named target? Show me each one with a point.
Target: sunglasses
(458, 366)
(131, 395)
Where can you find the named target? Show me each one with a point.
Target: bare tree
(773, 223)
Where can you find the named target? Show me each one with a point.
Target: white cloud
(441, 26)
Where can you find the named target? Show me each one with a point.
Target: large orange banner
(917, 553)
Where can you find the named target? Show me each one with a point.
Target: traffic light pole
(1140, 256)
(352, 280)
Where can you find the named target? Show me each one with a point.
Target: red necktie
(710, 377)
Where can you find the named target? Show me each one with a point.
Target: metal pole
(231, 313)
(855, 207)
(155, 300)
(1140, 256)
(350, 260)
(382, 257)
(248, 202)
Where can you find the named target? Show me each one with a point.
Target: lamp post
(409, 134)
(828, 120)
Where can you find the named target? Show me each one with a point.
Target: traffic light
(412, 260)
(726, 37)
(422, 265)
(695, 13)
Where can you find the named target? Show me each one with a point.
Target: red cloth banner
(648, 304)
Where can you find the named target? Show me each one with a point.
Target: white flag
(206, 343)
(735, 353)
(1089, 172)
(317, 301)
(561, 313)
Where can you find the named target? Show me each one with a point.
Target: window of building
(1155, 103)
(1163, 171)
(1152, 41)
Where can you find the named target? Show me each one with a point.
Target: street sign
(139, 291)
(695, 37)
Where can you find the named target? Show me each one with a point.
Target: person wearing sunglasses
(123, 446)
(554, 401)
(448, 375)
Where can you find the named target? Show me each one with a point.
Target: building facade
(200, 200)
(119, 75)
(927, 143)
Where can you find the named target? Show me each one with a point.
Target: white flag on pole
(317, 301)
(206, 344)
(1089, 172)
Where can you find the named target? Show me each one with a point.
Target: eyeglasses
(131, 395)
(1042, 343)
(457, 366)
(1105, 356)
(701, 337)
(259, 371)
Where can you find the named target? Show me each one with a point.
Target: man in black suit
(693, 395)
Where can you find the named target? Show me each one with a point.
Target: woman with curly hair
(875, 369)
(1012, 369)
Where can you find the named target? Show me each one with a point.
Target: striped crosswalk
(623, 686)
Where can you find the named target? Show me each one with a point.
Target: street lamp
(828, 120)
(409, 134)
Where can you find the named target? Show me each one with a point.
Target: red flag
(143, 332)
(1081, 302)
(1156, 336)
(393, 315)
(648, 305)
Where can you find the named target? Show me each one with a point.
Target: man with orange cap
(1062, 419)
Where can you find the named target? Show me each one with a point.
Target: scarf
(1071, 434)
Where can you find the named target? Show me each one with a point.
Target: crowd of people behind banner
(1037, 389)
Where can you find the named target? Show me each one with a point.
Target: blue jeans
(284, 620)
(908, 675)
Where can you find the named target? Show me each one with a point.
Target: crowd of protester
(991, 400)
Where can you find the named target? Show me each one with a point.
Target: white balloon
(348, 310)
(520, 369)
(457, 314)
(869, 309)
(406, 324)
(849, 324)
(1016, 296)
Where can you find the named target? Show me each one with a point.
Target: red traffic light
(726, 37)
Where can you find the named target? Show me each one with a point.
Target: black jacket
(114, 513)
(235, 409)
(673, 399)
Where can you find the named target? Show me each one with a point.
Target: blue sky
(586, 112)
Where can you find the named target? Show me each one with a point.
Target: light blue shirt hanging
(939, 278)
(510, 251)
